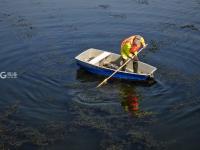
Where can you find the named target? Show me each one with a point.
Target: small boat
(105, 63)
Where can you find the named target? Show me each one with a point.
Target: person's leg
(121, 63)
(135, 64)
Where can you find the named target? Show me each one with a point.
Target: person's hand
(135, 53)
(132, 56)
(145, 46)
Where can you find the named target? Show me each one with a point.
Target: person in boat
(129, 48)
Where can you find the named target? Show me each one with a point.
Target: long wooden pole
(105, 80)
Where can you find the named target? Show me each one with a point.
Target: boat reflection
(129, 97)
(84, 76)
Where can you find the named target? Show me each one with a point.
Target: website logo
(8, 75)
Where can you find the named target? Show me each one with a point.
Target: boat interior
(112, 61)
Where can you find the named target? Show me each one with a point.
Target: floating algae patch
(15, 134)
(21, 26)
(142, 2)
(22, 136)
(10, 110)
(147, 116)
(55, 131)
(116, 132)
(154, 46)
(119, 16)
(190, 26)
(137, 140)
(104, 6)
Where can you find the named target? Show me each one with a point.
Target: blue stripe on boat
(108, 72)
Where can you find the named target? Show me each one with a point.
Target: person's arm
(142, 42)
(134, 50)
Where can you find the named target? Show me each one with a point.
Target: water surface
(53, 104)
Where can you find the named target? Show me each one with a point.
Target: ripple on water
(88, 94)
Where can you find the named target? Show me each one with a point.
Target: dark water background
(52, 104)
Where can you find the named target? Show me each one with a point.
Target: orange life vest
(133, 40)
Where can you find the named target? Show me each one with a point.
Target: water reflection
(130, 99)
(130, 104)
(85, 76)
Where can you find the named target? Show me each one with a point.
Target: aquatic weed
(122, 132)
(190, 26)
(154, 46)
(104, 6)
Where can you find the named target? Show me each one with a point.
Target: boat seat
(99, 58)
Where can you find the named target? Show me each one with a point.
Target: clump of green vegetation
(143, 114)
(15, 134)
(120, 16)
(154, 46)
(104, 6)
(146, 2)
(190, 26)
(117, 131)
